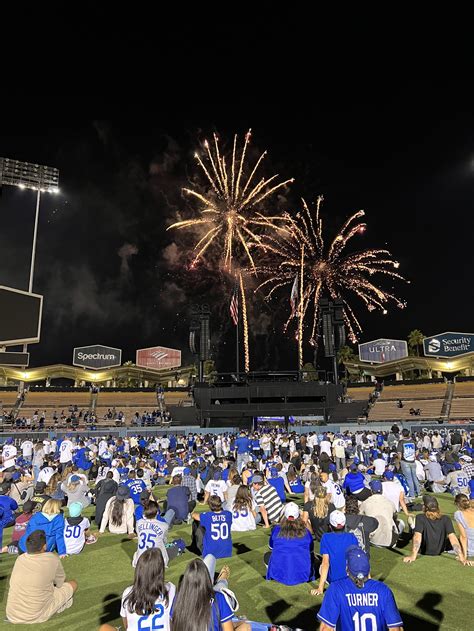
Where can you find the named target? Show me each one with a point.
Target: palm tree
(415, 340)
(345, 355)
(309, 372)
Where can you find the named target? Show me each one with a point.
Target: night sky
(111, 274)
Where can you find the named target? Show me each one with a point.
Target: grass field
(432, 593)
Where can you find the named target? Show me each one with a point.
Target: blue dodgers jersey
(348, 608)
(217, 538)
(136, 487)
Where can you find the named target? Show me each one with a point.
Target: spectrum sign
(97, 357)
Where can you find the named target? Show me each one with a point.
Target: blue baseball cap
(17, 475)
(457, 466)
(356, 460)
(389, 475)
(357, 562)
(187, 470)
(332, 466)
(376, 486)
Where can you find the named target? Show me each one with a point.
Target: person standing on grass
(407, 449)
(433, 531)
(38, 586)
(357, 602)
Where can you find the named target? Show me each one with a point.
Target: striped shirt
(268, 497)
(190, 482)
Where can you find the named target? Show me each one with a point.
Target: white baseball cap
(291, 511)
(337, 519)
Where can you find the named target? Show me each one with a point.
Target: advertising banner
(383, 350)
(97, 357)
(158, 358)
(448, 344)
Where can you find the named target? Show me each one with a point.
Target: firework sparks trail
(246, 324)
(229, 212)
(324, 269)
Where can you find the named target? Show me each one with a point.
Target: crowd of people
(325, 499)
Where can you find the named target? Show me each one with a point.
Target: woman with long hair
(311, 487)
(118, 513)
(198, 606)
(244, 510)
(316, 513)
(294, 480)
(51, 521)
(233, 485)
(433, 531)
(464, 518)
(147, 603)
(54, 484)
(291, 558)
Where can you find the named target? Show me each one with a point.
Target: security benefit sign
(158, 358)
(97, 357)
(383, 350)
(449, 344)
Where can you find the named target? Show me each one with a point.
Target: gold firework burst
(324, 270)
(229, 212)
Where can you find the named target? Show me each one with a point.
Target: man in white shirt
(379, 465)
(393, 491)
(339, 447)
(65, 453)
(217, 486)
(325, 446)
(27, 449)
(9, 453)
(382, 509)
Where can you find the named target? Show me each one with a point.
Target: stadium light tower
(36, 177)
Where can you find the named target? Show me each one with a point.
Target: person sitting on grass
(291, 558)
(464, 517)
(269, 504)
(76, 490)
(76, 530)
(38, 586)
(118, 513)
(333, 550)
(357, 601)
(212, 530)
(179, 499)
(147, 603)
(19, 529)
(243, 510)
(51, 521)
(199, 605)
(8, 504)
(433, 531)
(316, 512)
(152, 532)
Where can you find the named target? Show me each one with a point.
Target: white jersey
(46, 474)
(151, 534)
(103, 447)
(379, 464)
(337, 496)
(159, 619)
(391, 490)
(9, 453)
(216, 487)
(243, 519)
(74, 535)
(65, 451)
(458, 482)
(27, 449)
(46, 447)
(326, 447)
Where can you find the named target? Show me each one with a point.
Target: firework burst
(296, 249)
(229, 214)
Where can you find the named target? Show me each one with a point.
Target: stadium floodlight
(36, 177)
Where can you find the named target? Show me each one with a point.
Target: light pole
(36, 177)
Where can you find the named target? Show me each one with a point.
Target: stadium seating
(413, 392)
(360, 394)
(388, 410)
(462, 407)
